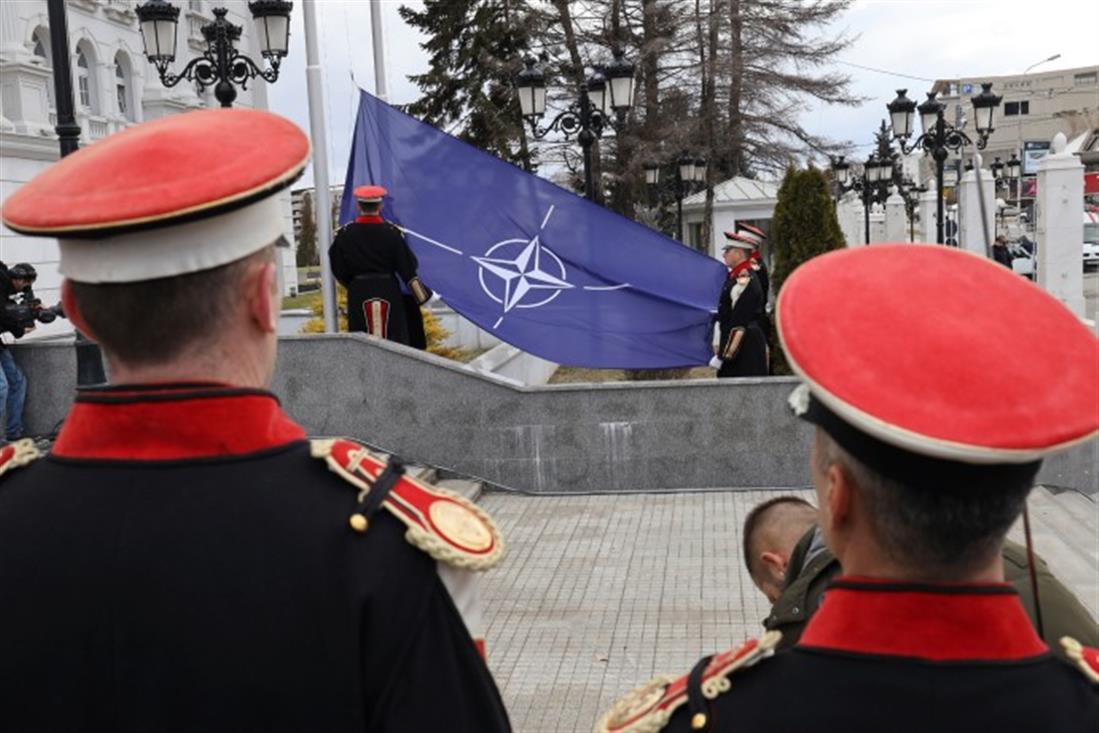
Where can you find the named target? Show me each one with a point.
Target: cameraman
(13, 385)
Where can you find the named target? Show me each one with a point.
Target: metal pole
(866, 207)
(940, 164)
(89, 361)
(314, 82)
(586, 139)
(381, 90)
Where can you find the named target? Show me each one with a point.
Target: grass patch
(303, 300)
(575, 375)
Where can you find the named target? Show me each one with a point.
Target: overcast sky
(928, 39)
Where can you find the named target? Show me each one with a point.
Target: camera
(24, 308)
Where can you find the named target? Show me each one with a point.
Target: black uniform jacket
(886, 656)
(739, 309)
(181, 563)
(371, 246)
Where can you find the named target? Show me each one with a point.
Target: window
(1087, 78)
(1016, 108)
(82, 79)
(120, 88)
(123, 86)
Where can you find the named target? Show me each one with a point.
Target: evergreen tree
(307, 240)
(476, 49)
(804, 225)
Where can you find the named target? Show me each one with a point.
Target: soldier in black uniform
(185, 559)
(920, 465)
(742, 346)
(371, 258)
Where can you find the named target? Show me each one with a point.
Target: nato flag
(535, 265)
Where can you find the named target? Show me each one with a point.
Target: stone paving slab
(601, 593)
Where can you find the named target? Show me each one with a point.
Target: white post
(323, 210)
(896, 224)
(927, 214)
(850, 216)
(971, 227)
(1060, 231)
(877, 223)
(381, 90)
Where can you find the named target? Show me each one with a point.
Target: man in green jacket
(789, 563)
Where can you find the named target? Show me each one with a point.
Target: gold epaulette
(1086, 657)
(443, 524)
(649, 707)
(19, 453)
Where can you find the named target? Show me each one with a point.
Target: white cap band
(174, 249)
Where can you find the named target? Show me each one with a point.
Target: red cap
(370, 193)
(754, 233)
(179, 194)
(941, 353)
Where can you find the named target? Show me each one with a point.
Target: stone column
(927, 214)
(971, 231)
(877, 223)
(896, 223)
(1060, 227)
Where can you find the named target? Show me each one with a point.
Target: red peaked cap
(740, 226)
(370, 193)
(940, 353)
(182, 167)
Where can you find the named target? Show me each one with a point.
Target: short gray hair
(944, 532)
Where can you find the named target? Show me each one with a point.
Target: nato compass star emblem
(531, 277)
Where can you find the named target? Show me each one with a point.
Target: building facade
(297, 207)
(1035, 107)
(114, 87)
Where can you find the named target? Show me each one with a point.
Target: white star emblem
(522, 274)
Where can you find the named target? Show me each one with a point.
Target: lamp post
(938, 137)
(874, 171)
(221, 64)
(603, 103)
(688, 170)
(89, 360)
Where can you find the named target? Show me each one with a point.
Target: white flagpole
(381, 91)
(314, 82)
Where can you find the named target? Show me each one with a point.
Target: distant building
(297, 206)
(1035, 107)
(737, 199)
(114, 87)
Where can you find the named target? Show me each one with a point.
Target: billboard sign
(1033, 151)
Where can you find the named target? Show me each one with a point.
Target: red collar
(933, 622)
(735, 272)
(173, 421)
(372, 219)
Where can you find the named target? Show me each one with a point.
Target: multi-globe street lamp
(939, 138)
(874, 171)
(688, 170)
(221, 64)
(603, 103)
(1005, 174)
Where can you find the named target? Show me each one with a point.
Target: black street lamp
(221, 64)
(688, 170)
(874, 171)
(608, 90)
(89, 360)
(939, 138)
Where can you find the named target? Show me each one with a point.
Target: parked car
(1091, 239)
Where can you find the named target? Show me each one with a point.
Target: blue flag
(531, 263)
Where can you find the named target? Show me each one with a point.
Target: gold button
(698, 722)
(358, 523)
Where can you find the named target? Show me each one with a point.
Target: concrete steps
(1065, 529)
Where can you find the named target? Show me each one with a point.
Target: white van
(1091, 239)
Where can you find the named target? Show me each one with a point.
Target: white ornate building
(114, 86)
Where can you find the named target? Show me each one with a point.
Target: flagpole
(322, 210)
(381, 91)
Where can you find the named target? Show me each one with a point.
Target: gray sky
(921, 38)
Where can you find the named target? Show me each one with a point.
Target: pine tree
(476, 49)
(804, 225)
(307, 240)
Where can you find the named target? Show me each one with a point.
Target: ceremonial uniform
(884, 652)
(742, 347)
(755, 236)
(371, 258)
(808, 579)
(185, 559)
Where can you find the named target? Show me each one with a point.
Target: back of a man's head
(771, 530)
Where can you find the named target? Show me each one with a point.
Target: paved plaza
(600, 593)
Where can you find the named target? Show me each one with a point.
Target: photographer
(15, 283)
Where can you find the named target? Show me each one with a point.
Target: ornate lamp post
(939, 138)
(874, 171)
(221, 64)
(602, 104)
(688, 170)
